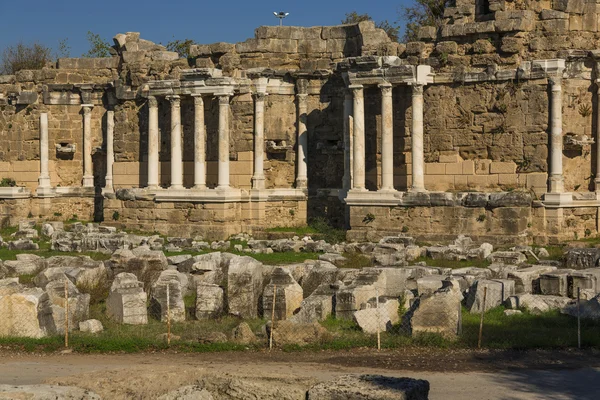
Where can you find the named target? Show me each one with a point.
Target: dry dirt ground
(452, 374)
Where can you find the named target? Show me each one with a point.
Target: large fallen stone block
(23, 245)
(91, 326)
(395, 280)
(46, 392)
(429, 284)
(380, 316)
(321, 272)
(585, 279)
(388, 254)
(283, 293)
(556, 283)
(527, 279)
(78, 304)
(25, 264)
(167, 296)
(209, 301)
(538, 304)
(287, 332)
(368, 284)
(364, 387)
(24, 312)
(507, 257)
(146, 264)
(244, 287)
(496, 292)
(588, 309)
(126, 301)
(581, 258)
(202, 263)
(435, 313)
(501, 271)
(319, 305)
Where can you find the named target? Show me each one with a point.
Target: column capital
(174, 99)
(302, 97)
(87, 108)
(198, 100)
(260, 96)
(152, 101)
(223, 98)
(357, 90)
(386, 88)
(555, 82)
(417, 89)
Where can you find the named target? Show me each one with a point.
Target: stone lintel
(551, 66)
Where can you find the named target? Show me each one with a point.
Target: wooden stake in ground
(168, 316)
(481, 320)
(66, 313)
(378, 319)
(578, 318)
(272, 318)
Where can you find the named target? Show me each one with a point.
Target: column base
(258, 182)
(176, 187)
(88, 181)
(199, 187)
(418, 190)
(301, 183)
(558, 199)
(387, 190)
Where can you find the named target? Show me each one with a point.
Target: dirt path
(452, 374)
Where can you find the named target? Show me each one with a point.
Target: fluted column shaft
(358, 167)
(199, 144)
(347, 180)
(153, 143)
(302, 152)
(387, 138)
(597, 180)
(44, 178)
(88, 174)
(556, 139)
(258, 179)
(176, 148)
(418, 164)
(110, 152)
(223, 167)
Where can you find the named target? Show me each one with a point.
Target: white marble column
(418, 164)
(88, 173)
(223, 167)
(387, 138)
(176, 148)
(258, 179)
(199, 144)
(302, 152)
(597, 179)
(358, 143)
(556, 139)
(347, 180)
(110, 152)
(44, 178)
(153, 143)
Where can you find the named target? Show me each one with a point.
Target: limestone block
(44, 392)
(244, 286)
(287, 332)
(367, 285)
(161, 303)
(25, 312)
(582, 258)
(429, 284)
(497, 291)
(202, 263)
(538, 304)
(126, 301)
(25, 264)
(527, 279)
(503, 168)
(209, 301)
(358, 387)
(320, 273)
(91, 326)
(553, 14)
(79, 304)
(435, 313)
(385, 316)
(285, 292)
(427, 33)
(243, 334)
(507, 257)
(556, 283)
(586, 279)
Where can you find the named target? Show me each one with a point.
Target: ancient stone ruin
(485, 126)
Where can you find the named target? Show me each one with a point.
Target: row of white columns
(44, 183)
(223, 182)
(354, 134)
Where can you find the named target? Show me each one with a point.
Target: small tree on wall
(392, 30)
(24, 56)
(98, 46)
(422, 13)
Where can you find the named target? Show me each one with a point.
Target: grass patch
(356, 260)
(319, 228)
(453, 264)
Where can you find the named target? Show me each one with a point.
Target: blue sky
(49, 21)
